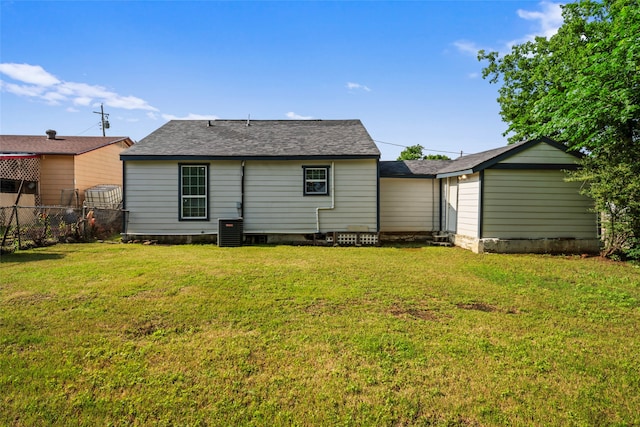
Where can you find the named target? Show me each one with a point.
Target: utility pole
(104, 119)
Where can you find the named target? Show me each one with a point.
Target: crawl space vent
(353, 239)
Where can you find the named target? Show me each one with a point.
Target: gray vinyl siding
(541, 153)
(152, 197)
(533, 204)
(409, 205)
(274, 201)
(468, 205)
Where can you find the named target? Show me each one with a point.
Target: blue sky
(408, 70)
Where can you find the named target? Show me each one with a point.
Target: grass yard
(114, 334)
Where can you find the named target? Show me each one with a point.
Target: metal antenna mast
(104, 119)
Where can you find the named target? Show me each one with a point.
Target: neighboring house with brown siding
(56, 170)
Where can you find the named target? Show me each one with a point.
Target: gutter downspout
(333, 198)
(440, 204)
(242, 164)
(125, 212)
(378, 196)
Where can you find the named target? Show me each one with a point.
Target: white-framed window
(194, 192)
(316, 180)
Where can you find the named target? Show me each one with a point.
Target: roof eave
(146, 157)
(455, 173)
(410, 176)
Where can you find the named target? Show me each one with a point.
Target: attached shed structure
(517, 199)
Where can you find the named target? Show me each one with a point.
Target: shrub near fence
(31, 226)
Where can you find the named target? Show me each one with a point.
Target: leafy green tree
(581, 87)
(414, 152)
(436, 157)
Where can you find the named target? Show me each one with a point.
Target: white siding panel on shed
(409, 204)
(535, 204)
(450, 204)
(469, 205)
(541, 153)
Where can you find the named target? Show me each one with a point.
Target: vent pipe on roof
(51, 134)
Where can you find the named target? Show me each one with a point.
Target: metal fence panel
(31, 226)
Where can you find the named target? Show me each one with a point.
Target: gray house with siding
(321, 181)
(286, 180)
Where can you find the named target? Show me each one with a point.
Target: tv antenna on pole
(104, 119)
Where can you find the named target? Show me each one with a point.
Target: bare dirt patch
(487, 308)
(480, 306)
(414, 313)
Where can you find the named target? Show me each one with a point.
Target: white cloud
(84, 90)
(85, 101)
(34, 82)
(546, 22)
(22, 90)
(549, 19)
(33, 74)
(54, 98)
(357, 86)
(190, 116)
(128, 103)
(467, 47)
(295, 116)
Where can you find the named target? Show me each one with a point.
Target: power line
(424, 149)
(89, 128)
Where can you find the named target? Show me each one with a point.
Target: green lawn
(114, 334)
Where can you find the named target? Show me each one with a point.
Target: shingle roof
(409, 168)
(470, 161)
(70, 145)
(479, 161)
(260, 139)
(466, 164)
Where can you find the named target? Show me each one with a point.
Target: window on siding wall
(316, 180)
(194, 192)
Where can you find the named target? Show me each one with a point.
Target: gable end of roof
(480, 161)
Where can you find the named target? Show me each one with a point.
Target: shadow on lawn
(30, 257)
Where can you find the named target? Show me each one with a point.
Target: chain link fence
(24, 227)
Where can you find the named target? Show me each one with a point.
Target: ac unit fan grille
(230, 232)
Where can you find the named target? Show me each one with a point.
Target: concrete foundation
(529, 246)
(249, 239)
(408, 236)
